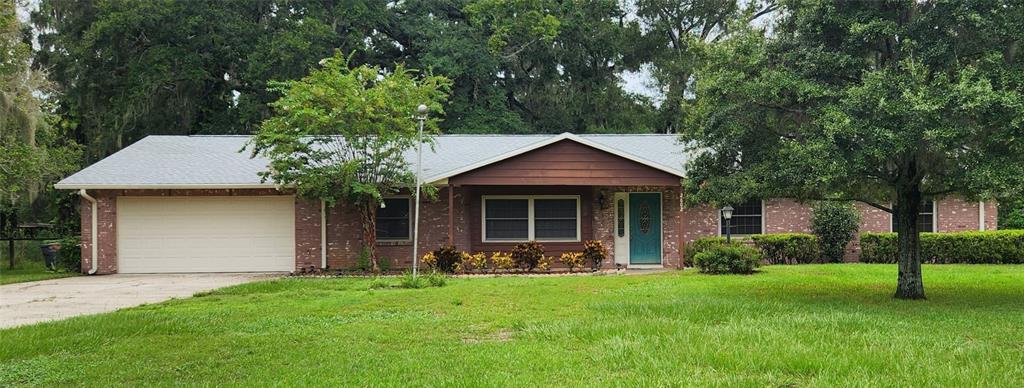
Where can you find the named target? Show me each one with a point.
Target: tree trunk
(368, 212)
(908, 202)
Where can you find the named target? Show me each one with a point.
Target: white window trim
(764, 218)
(400, 239)
(530, 220)
(935, 219)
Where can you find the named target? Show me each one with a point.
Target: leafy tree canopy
(340, 134)
(126, 69)
(882, 102)
(31, 152)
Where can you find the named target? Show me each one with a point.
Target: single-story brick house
(196, 204)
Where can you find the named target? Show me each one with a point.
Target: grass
(29, 271)
(809, 325)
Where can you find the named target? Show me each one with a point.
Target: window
(925, 218)
(393, 219)
(507, 219)
(620, 212)
(746, 219)
(541, 218)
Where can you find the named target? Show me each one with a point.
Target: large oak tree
(884, 102)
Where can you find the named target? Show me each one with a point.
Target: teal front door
(645, 228)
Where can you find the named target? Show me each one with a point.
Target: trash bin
(51, 253)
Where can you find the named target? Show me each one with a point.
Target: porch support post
(451, 215)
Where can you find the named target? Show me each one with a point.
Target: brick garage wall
(672, 221)
(107, 222)
(106, 209)
(307, 234)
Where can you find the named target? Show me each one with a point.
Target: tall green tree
(559, 63)
(126, 69)
(888, 102)
(674, 41)
(32, 154)
(340, 135)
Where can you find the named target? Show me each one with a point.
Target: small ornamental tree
(835, 224)
(340, 134)
(887, 103)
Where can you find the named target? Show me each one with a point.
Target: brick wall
(786, 216)
(344, 232)
(958, 215)
(307, 234)
(106, 243)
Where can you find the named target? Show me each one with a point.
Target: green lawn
(818, 325)
(29, 271)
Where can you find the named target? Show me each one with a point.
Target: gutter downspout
(981, 215)
(93, 232)
(323, 234)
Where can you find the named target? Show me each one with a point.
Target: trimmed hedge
(989, 247)
(704, 244)
(788, 248)
(727, 259)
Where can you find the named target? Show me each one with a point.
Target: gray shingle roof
(215, 161)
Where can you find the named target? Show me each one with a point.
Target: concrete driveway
(25, 303)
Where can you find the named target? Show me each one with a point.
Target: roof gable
(566, 162)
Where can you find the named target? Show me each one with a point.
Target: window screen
(746, 219)
(393, 219)
(554, 219)
(507, 219)
(925, 218)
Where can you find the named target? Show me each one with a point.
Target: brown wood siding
(566, 163)
(550, 248)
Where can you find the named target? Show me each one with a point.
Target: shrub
(446, 258)
(429, 260)
(594, 253)
(727, 259)
(527, 255)
(988, 247)
(545, 263)
(1011, 213)
(835, 224)
(363, 262)
(473, 262)
(503, 261)
(572, 260)
(787, 248)
(70, 257)
(706, 243)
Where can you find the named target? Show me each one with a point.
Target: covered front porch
(564, 194)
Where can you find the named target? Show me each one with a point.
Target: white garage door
(205, 234)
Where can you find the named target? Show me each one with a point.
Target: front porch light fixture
(421, 115)
(727, 215)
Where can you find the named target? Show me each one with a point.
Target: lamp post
(421, 112)
(727, 214)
